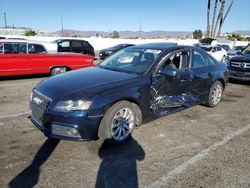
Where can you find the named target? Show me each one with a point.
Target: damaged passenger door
(171, 83)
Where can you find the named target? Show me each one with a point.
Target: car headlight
(71, 105)
(109, 52)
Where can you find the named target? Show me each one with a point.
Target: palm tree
(214, 13)
(220, 15)
(223, 18)
(208, 18)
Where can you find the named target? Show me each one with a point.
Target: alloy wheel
(216, 94)
(122, 124)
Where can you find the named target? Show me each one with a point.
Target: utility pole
(5, 20)
(61, 27)
(140, 30)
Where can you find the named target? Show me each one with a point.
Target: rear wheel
(215, 94)
(58, 70)
(118, 122)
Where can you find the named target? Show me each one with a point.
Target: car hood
(83, 83)
(108, 49)
(241, 58)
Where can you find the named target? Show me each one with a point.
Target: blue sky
(109, 15)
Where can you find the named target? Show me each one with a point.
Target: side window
(76, 43)
(178, 60)
(211, 61)
(22, 48)
(35, 49)
(15, 48)
(198, 60)
(64, 44)
(1, 48)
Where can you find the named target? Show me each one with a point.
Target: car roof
(23, 41)
(159, 46)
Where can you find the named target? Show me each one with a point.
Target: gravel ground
(198, 147)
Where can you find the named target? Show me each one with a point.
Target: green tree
(115, 35)
(236, 36)
(30, 32)
(197, 34)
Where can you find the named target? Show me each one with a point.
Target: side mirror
(169, 72)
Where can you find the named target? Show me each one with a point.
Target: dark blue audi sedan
(130, 87)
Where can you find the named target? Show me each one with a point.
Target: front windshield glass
(131, 60)
(247, 50)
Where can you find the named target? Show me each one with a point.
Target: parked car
(235, 51)
(215, 41)
(130, 87)
(239, 66)
(75, 46)
(19, 57)
(109, 51)
(216, 51)
(225, 47)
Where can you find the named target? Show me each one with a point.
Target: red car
(20, 57)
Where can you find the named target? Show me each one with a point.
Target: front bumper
(239, 75)
(87, 127)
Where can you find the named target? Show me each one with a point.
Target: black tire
(223, 59)
(112, 124)
(215, 95)
(58, 70)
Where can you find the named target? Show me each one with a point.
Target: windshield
(208, 49)
(239, 48)
(247, 50)
(131, 60)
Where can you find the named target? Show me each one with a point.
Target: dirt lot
(198, 147)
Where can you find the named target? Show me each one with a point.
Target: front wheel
(118, 122)
(215, 94)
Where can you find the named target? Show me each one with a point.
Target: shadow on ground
(118, 167)
(23, 77)
(29, 176)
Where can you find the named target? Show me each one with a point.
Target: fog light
(72, 132)
(65, 131)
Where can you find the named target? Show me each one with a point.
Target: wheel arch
(132, 101)
(222, 82)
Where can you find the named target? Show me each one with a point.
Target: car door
(14, 60)
(38, 58)
(171, 82)
(202, 72)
